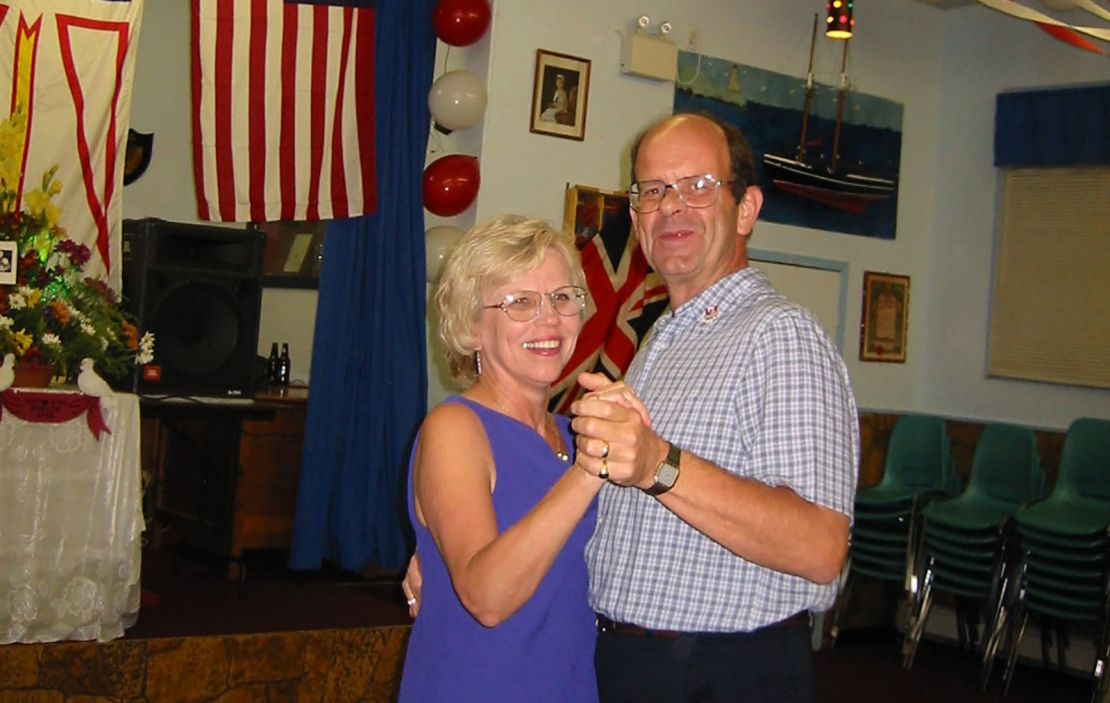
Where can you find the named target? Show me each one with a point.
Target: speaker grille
(198, 288)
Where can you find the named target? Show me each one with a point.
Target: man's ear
(747, 211)
(635, 218)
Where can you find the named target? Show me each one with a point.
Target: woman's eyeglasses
(525, 305)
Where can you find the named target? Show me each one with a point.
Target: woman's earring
(477, 362)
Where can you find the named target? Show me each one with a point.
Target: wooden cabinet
(223, 475)
(266, 492)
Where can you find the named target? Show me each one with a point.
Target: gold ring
(605, 450)
(604, 473)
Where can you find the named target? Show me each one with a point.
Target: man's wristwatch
(667, 474)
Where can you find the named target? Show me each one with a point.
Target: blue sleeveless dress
(545, 651)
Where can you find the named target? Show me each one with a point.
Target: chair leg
(967, 622)
(1062, 645)
(1100, 692)
(1021, 618)
(915, 559)
(917, 624)
(1004, 601)
(999, 623)
(1047, 630)
(962, 625)
(1101, 689)
(845, 593)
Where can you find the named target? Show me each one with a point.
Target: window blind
(1050, 314)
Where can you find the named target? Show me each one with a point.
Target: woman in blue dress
(500, 512)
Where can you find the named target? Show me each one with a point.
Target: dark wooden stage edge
(359, 664)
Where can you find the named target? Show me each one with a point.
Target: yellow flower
(13, 134)
(38, 204)
(22, 341)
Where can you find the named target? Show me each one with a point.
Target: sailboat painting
(827, 157)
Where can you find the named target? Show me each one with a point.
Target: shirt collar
(724, 295)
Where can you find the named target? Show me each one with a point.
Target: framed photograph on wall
(294, 253)
(886, 308)
(559, 92)
(9, 254)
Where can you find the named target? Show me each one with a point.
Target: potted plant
(52, 315)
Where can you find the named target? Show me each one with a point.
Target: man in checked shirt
(724, 523)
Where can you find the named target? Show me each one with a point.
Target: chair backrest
(919, 454)
(1085, 459)
(1006, 465)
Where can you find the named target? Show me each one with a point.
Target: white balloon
(457, 100)
(438, 242)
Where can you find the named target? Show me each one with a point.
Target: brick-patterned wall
(875, 429)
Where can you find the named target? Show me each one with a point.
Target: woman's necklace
(559, 449)
(559, 446)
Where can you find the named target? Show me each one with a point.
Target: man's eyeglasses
(525, 305)
(694, 191)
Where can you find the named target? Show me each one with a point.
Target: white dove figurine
(7, 372)
(92, 384)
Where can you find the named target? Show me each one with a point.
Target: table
(224, 472)
(71, 518)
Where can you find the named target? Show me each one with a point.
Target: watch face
(666, 475)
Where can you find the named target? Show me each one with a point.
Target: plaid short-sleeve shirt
(747, 380)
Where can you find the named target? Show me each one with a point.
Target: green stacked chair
(962, 539)
(1063, 545)
(918, 469)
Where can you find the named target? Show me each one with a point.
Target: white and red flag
(283, 113)
(68, 65)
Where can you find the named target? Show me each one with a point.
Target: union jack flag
(626, 296)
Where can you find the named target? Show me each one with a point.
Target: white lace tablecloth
(71, 525)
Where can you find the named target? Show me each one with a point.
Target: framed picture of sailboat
(827, 155)
(885, 319)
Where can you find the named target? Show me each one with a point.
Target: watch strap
(674, 455)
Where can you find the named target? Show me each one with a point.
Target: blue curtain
(1056, 127)
(369, 378)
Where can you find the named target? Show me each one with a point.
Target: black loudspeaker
(198, 288)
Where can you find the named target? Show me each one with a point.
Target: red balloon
(451, 184)
(461, 22)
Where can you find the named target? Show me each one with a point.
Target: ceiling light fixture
(838, 20)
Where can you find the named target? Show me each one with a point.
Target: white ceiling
(1041, 5)
(948, 4)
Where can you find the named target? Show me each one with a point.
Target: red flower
(78, 254)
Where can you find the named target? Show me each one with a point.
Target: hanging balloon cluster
(457, 101)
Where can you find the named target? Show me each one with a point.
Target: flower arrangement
(54, 314)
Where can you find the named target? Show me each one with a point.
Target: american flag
(283, 112)
(626, 296)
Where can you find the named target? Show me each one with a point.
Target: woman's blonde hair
(487, 256)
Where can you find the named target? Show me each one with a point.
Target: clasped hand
(613, 433)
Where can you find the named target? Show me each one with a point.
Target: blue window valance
(1055, 127)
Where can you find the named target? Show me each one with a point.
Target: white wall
(985, 53)
(944, 67)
